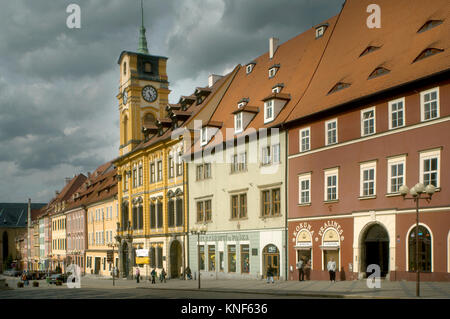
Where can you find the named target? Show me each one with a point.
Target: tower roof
(142, 38)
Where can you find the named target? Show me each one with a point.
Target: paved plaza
(96, 287)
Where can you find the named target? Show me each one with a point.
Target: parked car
(12, 272)
(57, 277)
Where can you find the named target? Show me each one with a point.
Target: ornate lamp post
(200, 231)
(416, 192)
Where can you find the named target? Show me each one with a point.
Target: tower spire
(142, 38)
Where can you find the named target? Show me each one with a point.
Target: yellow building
(59, 241)
(152, 191)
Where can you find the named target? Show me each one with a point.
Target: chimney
(213, 78)
(273, 46)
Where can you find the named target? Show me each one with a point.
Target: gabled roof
(399, 43)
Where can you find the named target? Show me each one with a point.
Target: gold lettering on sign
(331, 224)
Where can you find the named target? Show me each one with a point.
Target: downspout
(286, 176)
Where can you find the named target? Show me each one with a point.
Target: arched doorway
(375, 249)
(271, 256)
(175, 259)
(125, 260)
(5, 251)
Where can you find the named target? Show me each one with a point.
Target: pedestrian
(163, 275)
(153, 276)
(188, 273)
(331, 267)
(269, 274)
(308, 269)
(300, 267)
(138, 274)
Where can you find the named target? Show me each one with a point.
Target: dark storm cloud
(58, 110)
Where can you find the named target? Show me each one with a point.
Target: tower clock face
(125, 97)
(149, 93)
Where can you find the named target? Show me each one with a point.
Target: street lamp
(416, 192)
(194, 231)
(113, 268)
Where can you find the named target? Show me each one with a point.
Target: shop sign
(331, 224)
(300, 227)
(226, 237)
(304, 244)
(331, 244)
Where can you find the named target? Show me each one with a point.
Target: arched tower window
(424, 249)
(148, 119)
(125, 129)
(124, 68)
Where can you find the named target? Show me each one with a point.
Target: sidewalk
(320, 289)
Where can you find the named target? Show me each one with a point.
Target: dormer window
(238, 122)
(339, 86)
(249, 68)
(204, 135)
(427, 52)
(268, 111)
(277, 88)
(320, 30)
(378, 71)
(241, 105)
(369, 49)
(429, 25)
(273, 70)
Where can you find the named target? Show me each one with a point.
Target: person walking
(163, 276)
(138, 275)
(269, 274)
(188, 273)
(153, 276)
(331, 267)
(308, 270)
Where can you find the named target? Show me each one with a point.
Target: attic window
(320, 31)
(204, 136)
(378, 71)
(241, 105)
(273, 70)
(426, 53)
(369, 49)
(249, 68)
(339, 86)
(238, 122)
(277, 88)
(429, 25)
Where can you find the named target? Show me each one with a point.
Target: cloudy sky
(58, 111)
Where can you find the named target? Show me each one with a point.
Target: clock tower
(143, 92)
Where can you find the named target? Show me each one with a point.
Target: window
(430, 167)
(331, 184)
(159, 207)
(368, 121)
(249, 68)
(231, 258)
(429, 104)
(243, 161)
(152, 173)
(429, 24)
(397, 113)
(159, 252)
(125, 68)
(331, 132)
(171, 167)
(368, 180)
(338, 86)
(152, 215)
(134, 177)
(265, 155)
(204, 137)
(239, 162)
(396, 174)
(179, 164)
(147, 67)
(238, 123)
(171, 209)
(239, 206)
(304, 186)
(424, 249)
(207, 170)
(427, 53)
(140, 175)
(179, 212)
(277, 89)
(200, 212)
(369, 49)
(125, 183)
(160, 177)
(212, 258)
(378, 72)
(276, 153)
(304, 139)
(199, 172)
(152, 257)
(320, 31)
(203, 171)
(272, 72)
(268, 111)
(245, 259)
(270, 202)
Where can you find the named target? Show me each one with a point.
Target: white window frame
(391, 103)
(301, 178)
(395, 161)
(276, 89)
(272, 72)
(249, 68)
(327, 142)
(328, 173)
(301, 139)
(204, 135)
(320, 31)
(278, 148)
(269, 105)
(238, 120)
(422, 104)
(266, 159)
(429, 154)
(363, 167)
(374, 120)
